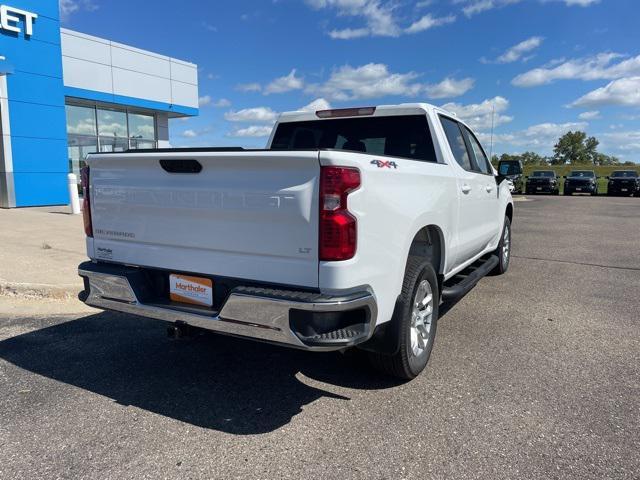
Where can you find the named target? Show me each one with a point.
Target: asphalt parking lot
(535, 374)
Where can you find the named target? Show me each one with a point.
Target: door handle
(489, 189)
(466, 188)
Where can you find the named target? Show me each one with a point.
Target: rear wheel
(416, 315)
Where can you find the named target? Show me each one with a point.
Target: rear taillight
(338, 228)
(86, 201)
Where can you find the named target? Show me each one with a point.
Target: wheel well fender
(509, 212)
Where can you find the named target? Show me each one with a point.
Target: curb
(39, 290)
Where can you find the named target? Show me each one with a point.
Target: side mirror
(526, 176)
(500, 179)
(607, 177)
(564, 176)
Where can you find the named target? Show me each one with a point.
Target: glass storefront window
(112, 123)
(113, 144)
(136, 144)
(79, 147)
(92, 129)
(81, 120)
(142, 126)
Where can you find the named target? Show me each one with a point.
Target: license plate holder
(578, 189)
(538, 188)
(191, 290)
(624, 190)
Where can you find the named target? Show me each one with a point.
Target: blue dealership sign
(34, 161)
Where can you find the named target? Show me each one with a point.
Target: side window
(480, 158)
(456, 142)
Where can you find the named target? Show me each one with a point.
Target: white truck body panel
(254, 215)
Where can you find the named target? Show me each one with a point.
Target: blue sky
(543, 66)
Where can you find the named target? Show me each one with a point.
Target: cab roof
(380, 111)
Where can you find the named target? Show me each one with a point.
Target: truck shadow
(222, 383)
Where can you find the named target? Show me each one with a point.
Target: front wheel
(416, 315)
(503, 252)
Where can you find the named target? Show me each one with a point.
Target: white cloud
(479, 116)
(591, 115)
(541, 137)
(204, 101)
(623, 143)
(255, 131)
(222, 103)
(317, 104)
(257, 114)
(516, 52)
(284, 84)
(249, 87)
(473, 7)
(69, 7)
(450, 88)
(379, 17)
(623, 92)
(575, 3)
(367, 81)
(193, 133)
(429, 21)
(598, 67)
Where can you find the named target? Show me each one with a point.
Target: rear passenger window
(456, 142)
(480, 158)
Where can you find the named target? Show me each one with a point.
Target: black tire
(503, 260)
(567, 193)
(404, 363)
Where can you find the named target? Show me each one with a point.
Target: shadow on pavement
(232, 385)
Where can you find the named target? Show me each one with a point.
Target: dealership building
(64, 94)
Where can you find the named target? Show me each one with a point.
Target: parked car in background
(542, 181)
(624, 182)
(581, 181)
(348, 230)
(512, 170)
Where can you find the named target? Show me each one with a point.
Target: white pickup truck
(350, 229)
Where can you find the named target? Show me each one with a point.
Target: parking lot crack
(585, 264)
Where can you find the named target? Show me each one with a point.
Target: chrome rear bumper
(255, 313)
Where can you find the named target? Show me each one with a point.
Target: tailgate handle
(181, 166)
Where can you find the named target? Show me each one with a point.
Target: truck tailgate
(248, 215)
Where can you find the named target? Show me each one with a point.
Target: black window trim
(472, 156)
(430, 128)
(490, 173)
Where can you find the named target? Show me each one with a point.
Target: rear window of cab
(405, 136)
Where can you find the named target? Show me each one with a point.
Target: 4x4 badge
(384, 163)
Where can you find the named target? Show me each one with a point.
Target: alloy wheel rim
(506, 245)
(421, 318)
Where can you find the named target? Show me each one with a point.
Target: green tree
(575, 148)
(532, 158)
(602, 159)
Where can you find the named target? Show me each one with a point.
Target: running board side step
(459, 285)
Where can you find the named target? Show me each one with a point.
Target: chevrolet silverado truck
(542, 181)
(581, 181)
(623, 182)
(349, 229)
